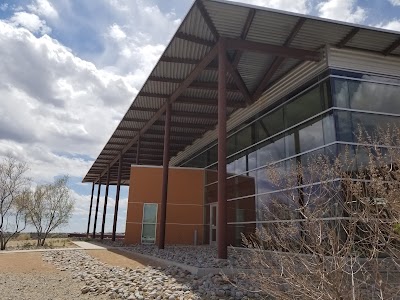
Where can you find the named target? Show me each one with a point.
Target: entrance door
(149, 223)
(213, 223)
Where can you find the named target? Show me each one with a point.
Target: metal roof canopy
(262, 45)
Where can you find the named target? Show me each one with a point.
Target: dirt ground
(25, 276)
(122, 259)
(51, 243)
(24, 263)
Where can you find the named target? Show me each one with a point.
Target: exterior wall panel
(184, 208)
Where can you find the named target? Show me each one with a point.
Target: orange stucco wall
(185, 203)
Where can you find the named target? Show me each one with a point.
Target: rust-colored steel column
(90, 211)
(163, 215)
(138, 151)
(97, 210)
(222, 217)
(103, 223)
(117, 198)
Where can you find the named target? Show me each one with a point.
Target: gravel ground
(197, 256)
(26, 276)
(172, 283)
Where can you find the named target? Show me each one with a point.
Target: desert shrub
(23, 237)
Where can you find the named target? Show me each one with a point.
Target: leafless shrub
(49, 206)
(334, 236)
(13, 190)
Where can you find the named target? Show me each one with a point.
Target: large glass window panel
(370, 123)
(212, 155)
(328, 124)
(240, 186)
(374, 97)
(271, 151)
(311, 136)
(290, 147)
(303, 107)
(344, 126)
(242, 210)
(340, 92)
(269, 125)
(244, 138)
(278, 206)
(231, 145)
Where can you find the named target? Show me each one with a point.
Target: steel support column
(163, 215)
(222, 214)
(138, 151)
(103, 223)
(117, 198)
(90, 211)
(97, 210)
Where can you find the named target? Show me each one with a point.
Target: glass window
(149, 222)
(328, 124)
(311, 136)
(344, 127)
(243, 138)
(374, 97)
(270, 151)
(303, 107)
(340, 92)
(269, 125)
(371, 123)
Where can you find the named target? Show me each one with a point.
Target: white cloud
(395, 2)
(43, 8)
(342, 10)
(57, 106)
(4, 6)
(116, 32)
(30, 21)
(299, 6)
(392, 25)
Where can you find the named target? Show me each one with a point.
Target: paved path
(88, 246)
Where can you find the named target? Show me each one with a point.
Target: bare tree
(13, 191)
(330, 229)
(49, 207)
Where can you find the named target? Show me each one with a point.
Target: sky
(69, 70)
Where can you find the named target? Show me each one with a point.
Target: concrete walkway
(80, 246)
(88, 246)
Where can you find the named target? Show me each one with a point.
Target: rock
(85, 289)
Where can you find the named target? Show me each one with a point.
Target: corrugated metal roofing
(206, 21)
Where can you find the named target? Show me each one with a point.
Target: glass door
(213, 223)
(149, 223)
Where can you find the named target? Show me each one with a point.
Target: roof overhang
(262, 46)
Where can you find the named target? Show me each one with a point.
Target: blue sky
(69, 69)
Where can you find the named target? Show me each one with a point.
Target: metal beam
(192, 76)
(207, 19)
(164, 191)
(277, 60)
(392, 47)
(194, 85)
(283, 51)
(117, 198)
(103, 223)
(348, 37)
(97, 210)
(239, 83)
(207, 101)
(222, 174)
(138, 151)
(194, 39)
(243, 36)
(90, 211)
(151, 95)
